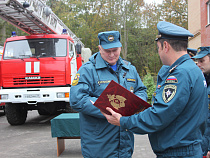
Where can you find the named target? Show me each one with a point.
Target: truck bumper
(35, 95)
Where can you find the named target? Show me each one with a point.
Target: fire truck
(37, 70)
(2, 105)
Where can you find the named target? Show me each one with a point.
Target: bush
(149, 83)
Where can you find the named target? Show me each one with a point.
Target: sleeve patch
(169, 92)
(76, 79)
(171, 79)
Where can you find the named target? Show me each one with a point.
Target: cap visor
(111, 45)
(199, 56)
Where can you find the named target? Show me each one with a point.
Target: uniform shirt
(176, 122)
(100, 139)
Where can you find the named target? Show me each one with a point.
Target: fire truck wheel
(16, 113)
(43, 112)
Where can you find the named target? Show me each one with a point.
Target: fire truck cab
(36, 74)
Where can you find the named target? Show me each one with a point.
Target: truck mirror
(78, 48)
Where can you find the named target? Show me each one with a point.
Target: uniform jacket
(176, 122)
(100, 139)
(206, 137)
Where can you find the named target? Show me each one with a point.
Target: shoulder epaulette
(126, 62)
(172, 69)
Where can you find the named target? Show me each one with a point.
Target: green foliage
(149, 83)
(6, 31)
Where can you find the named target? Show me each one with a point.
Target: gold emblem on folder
(116, 101)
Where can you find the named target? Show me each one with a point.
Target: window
(71, 49)
(208, 12)
(45, 47)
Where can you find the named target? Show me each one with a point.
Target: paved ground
(33, 140)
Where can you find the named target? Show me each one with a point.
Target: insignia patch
(131, 89)
(171, 79)
(131, 80)
(111, 38)
(169, 92)
(116, 101)
(101, 82)
(208, 95)
(76, 79)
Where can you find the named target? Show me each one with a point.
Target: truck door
(72, 53)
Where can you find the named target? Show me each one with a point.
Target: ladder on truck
(37, 18)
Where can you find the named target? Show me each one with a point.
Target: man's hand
(208, 154)
(114, 118)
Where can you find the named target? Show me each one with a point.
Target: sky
(156, 1)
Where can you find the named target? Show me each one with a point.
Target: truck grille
(42, 81)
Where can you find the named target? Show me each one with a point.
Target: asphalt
(34, 140)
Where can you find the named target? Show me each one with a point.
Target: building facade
(199, 23)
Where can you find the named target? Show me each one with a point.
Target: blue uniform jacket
(176, 122)
(100, 139)
(206, 137)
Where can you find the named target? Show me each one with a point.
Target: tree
(175, 11)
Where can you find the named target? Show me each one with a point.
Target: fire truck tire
(43, 112)
(16, 114)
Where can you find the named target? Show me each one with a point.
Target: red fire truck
(2, 105)
(37, 70)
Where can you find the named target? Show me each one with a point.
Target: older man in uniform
(176, 122)
(203, 62)
(100, 139)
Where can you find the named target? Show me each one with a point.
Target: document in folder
(120, 100)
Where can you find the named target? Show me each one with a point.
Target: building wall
(205, 29)
(194, 23)
(195, 42)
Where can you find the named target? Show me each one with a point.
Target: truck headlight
(4, 96)
(62, 95)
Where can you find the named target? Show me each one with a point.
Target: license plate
(32, 96)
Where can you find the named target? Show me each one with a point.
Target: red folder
(120, 100)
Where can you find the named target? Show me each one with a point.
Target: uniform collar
(166, 70)
(101, 63)
(178, 62)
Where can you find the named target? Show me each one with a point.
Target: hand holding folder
(120, 100)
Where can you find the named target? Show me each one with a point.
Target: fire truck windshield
(45, 47)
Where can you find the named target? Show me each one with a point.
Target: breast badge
(116, 101)
(76, 79)
(131, 89)
(169, 92)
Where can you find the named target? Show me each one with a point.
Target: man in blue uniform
(176, 122)
(203, 62)
(100, 139)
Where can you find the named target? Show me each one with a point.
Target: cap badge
(199, 49)
(111, 38)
